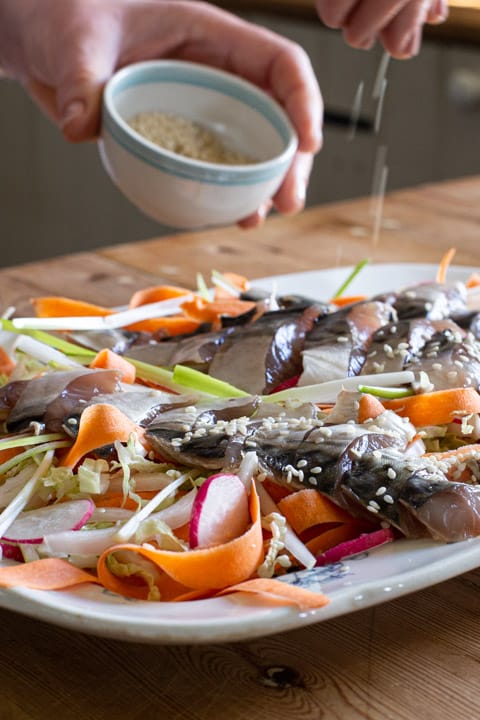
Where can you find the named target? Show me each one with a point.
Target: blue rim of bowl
(183, 72)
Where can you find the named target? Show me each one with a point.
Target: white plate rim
(349, 585)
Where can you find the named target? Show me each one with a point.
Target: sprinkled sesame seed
(391, 473)
(381, 490)
(313, 480)
(388, 499)
(301, 463)
(315, 470)
(372, 509)
(374, 504)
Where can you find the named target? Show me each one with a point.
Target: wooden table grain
(413, 657)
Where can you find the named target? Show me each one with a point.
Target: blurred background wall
(55, 198)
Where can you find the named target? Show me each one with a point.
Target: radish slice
(364, 542)
(11, 552)
(220, 511)
(31, 526)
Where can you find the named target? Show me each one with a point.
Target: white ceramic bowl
(176, 190)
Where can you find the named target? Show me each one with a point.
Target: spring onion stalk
(387, 393)
(17, 459)
(51, 340)
(202, 288)
(44, 353)
(121, 319)
(351, 277)
(23, 440)
(158, 375)
(220, 281)
(204, 383)
(327, 392)
(131, 526)
(13, 510)
(292, 542)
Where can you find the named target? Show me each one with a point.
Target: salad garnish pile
(205, 442)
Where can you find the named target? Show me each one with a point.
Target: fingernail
(300, 193)
(439, 14)
(439, 18)
(72, 111)
(367, 43)
(411, 45)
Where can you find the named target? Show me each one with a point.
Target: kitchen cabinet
(56, 198)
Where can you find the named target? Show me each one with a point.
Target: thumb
(80, 83)
(79, 99)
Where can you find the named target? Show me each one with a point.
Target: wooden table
(414, 657)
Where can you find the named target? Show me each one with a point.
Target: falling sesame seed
(388, 499)
(313, 480)
(372, 509)
(391, 473)
(315, 470)
(342, 339)
(381, 490)
(302, 463)
(374, 504)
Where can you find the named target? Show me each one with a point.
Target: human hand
(64, 52)
(397, 23)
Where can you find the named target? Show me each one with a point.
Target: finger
(264, 58)
(438, 12)
(334, 14)
(291, 196)
(368, 19)
(45, 96)
(257, 218)
(402, 37)
(90, 62)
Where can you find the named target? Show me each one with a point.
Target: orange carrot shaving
(100, 425)
(67, 307)
(9, 453)
(169, 326)
(370, 407)
(445, 263)
(238, 281)
(348, 300)
(276, 491)
(115, 499)
(210, 311)
(45, 574)
(6, 362)
(307, 508)
(334, 536)
(436, 408)
(473, 281)
(212, 568)
(156, 293)
(108, 360)
(280, 593)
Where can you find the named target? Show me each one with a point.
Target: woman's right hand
(398, 24)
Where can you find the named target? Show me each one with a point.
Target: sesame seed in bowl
(193, 146)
